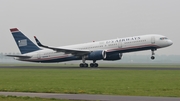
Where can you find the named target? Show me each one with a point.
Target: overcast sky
(66, 22)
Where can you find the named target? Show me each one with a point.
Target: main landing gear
(153, 57)
(94, 64)
(83, 64)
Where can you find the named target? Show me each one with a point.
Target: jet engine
(97, 55)
(113, 56)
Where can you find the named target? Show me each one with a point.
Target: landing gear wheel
(152, 57)
(83, 65)
(93, 65)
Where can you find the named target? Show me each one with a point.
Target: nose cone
(170, 42)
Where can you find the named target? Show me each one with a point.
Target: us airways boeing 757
(108, 50)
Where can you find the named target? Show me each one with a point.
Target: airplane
(107, 50)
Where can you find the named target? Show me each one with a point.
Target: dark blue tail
(24, 44)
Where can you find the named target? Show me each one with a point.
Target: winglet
(38, 42)
(13, 30)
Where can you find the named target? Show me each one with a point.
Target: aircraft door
(152, 40)
(38, 56)
(119, 44)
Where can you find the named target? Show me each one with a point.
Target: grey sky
(66, 22)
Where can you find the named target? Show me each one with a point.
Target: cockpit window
(163, 38)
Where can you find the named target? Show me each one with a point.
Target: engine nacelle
(97, 55)
(114, 56)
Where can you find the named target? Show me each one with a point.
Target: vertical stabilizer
(24, 44)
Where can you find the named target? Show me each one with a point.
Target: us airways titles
(123, 39)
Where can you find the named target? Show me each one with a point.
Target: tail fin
(24, 44)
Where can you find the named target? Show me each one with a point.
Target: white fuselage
(120, 45)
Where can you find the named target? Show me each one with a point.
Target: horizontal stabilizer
(19, 56)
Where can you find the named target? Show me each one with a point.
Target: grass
(92, 81)
(15, 98)
(155, 65)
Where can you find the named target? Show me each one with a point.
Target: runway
(90, 97)
(94, 68)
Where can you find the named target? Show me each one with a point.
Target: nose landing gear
(153, 57)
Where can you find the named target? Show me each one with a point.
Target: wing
(20, 56)
(65, 50)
